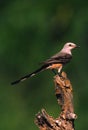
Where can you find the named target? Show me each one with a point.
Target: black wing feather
(59, 58)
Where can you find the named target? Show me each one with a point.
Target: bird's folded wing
(59, 58)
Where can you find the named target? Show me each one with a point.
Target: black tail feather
(15, 82)
(29, 75)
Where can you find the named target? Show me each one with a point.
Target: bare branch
(64, 95)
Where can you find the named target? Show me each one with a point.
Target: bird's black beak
(77, 46)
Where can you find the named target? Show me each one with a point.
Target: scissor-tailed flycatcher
(55, 62)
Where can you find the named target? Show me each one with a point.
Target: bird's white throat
(66, 50)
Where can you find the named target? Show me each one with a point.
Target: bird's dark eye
(69, 44)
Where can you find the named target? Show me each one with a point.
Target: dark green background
(30, 32)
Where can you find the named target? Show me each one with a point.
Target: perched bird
(55, 62)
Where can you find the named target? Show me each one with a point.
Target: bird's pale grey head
(68, 47)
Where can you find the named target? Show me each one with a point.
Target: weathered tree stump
(64, 95)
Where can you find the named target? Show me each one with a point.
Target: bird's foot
(60, 75)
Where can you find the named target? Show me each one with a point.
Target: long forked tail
(29, 75)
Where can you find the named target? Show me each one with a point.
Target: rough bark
(64, 95)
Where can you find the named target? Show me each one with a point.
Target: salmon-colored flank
(55, 66)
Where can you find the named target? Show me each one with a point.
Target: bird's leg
(60, 71)
(53, 70)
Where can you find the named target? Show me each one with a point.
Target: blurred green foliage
(30, 32)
